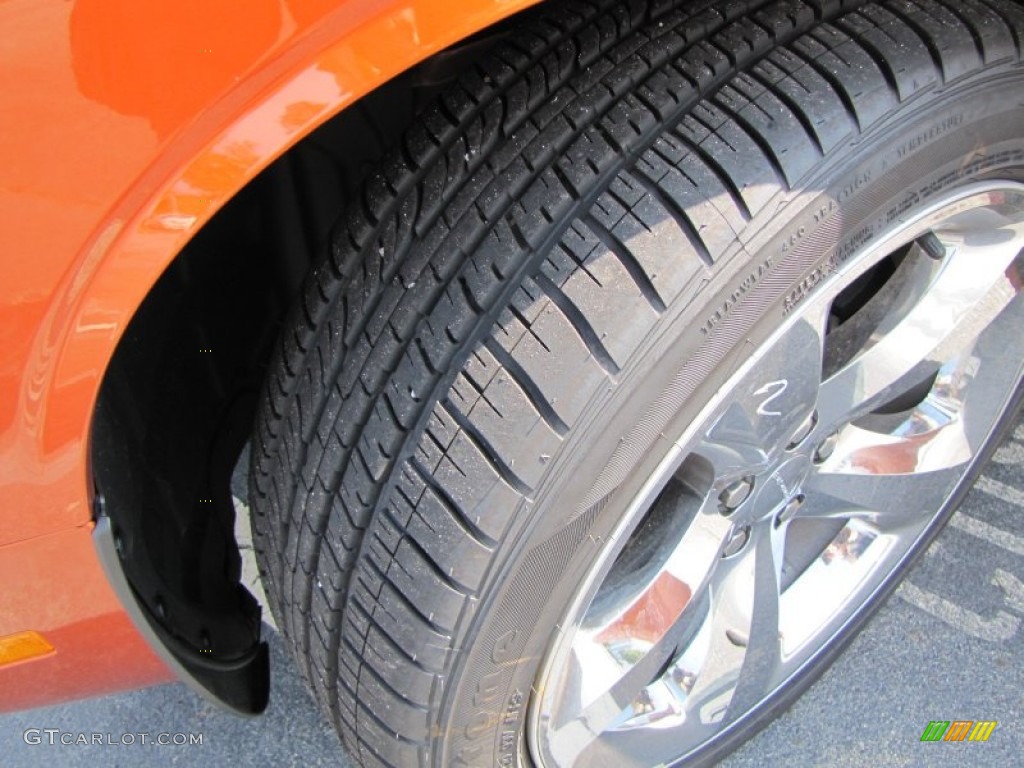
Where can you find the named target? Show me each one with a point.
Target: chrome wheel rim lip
(655, 667)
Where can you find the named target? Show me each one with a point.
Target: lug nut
(788, 511)
(737, 541)
(804, 431)
(735, 494)
(826, 448)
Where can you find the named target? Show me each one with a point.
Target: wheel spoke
(775, 399)
(763, 657)
(936, 435)
(744, 654)
(887, 501)
(732, 453)
(659, 620)
(968, 291)
(738, 609)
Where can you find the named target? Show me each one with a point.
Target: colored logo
(958, 730)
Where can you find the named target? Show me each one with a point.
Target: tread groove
(836, 85)
(979, 44)
(755, 136)
(1014, 33)
(720, 173)
(672, 207)
(409, 604)
(471, 528)
(877, 57)
(629, 262)
(528, 386)
(926, 39)
(372, 620)
(438, 571)
(790, 104)
(486, 449)
(581, 325)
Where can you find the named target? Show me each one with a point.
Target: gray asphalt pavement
(948, 646)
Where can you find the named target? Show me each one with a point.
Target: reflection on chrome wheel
(776, 515)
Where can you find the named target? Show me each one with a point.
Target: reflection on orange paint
(889, 458)
(651, 614)
(126, 127)
(163, 59)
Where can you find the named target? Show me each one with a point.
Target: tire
(580, 261)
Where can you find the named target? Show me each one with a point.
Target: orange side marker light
(22, 646)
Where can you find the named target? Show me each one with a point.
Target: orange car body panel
(125, 126)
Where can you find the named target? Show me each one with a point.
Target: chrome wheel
(784, 508)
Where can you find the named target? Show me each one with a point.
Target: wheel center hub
(780, 487)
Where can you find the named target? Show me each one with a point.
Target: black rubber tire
(620, 195)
